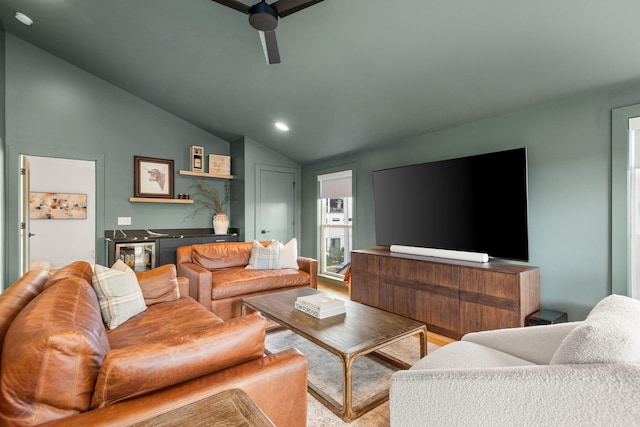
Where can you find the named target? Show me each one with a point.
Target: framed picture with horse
(152, 177)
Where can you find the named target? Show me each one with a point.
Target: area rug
(325, 371)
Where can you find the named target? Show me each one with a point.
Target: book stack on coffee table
(320, 305)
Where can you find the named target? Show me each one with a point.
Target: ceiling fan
(264, 18)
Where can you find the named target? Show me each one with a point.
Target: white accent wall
(62, 241)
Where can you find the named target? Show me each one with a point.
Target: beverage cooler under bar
(139, 256)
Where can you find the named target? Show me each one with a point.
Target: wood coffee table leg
(347, 396)
(347, 411)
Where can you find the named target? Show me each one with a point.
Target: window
(335, 217)
(634, 206)
(625, 199)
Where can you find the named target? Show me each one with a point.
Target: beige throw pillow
(610, 334)
(288, 257)
(118, 292)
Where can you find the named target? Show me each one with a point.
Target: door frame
(12, 200)
(25, 221)
(620, 248)
(259, 168)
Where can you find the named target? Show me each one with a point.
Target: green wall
(54, 109)
(249, 156)
(57, 110)
(569, 154)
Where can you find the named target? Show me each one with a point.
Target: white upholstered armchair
(568, 374)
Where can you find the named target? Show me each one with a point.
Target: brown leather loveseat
(219, 279)
(60, 364)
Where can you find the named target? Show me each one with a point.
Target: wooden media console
(451, 297)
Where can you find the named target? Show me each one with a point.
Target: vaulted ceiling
(354, 73)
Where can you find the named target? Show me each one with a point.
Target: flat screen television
(475, 204)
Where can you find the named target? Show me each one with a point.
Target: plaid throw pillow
(264, 258)
(118, 292)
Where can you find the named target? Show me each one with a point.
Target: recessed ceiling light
(24, 19)
(282, 126)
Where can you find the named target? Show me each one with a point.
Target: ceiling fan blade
(233, 4)
(287, 7)
(270, 46)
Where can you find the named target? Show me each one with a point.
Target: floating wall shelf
(154, 200)
(205, 175)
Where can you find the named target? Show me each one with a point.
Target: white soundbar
(441, 253)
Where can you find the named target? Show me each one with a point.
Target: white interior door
(275, 219)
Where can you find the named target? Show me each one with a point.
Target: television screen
(475, 204)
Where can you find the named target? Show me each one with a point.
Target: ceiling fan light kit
(264, 18)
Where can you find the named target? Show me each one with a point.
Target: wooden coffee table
(229, 408)
(361, 330)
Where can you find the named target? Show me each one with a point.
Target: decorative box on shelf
(320, 306)
(219, 165)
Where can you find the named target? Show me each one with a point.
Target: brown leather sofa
(219, 280)
(60, 365)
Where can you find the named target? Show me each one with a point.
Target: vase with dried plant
(208, 198)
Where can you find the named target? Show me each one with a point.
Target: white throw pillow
(264, 258)
(289, 254)
(119, 293)
(610, 334)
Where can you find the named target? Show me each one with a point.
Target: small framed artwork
(57, 205)
(152, 177)
(197, 159)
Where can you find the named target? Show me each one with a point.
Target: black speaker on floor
(546, 317)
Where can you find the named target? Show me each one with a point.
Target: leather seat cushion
(237, 281)
(161, 321)
(153, 365)
(54, 349)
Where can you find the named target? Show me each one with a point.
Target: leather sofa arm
(183, 286)
(199, 282)
(309, 265)
(276, 383)
(183, 254)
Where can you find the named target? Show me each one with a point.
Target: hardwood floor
(438, 340)
(342, 291)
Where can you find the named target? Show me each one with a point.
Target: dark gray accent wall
(569, 149)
